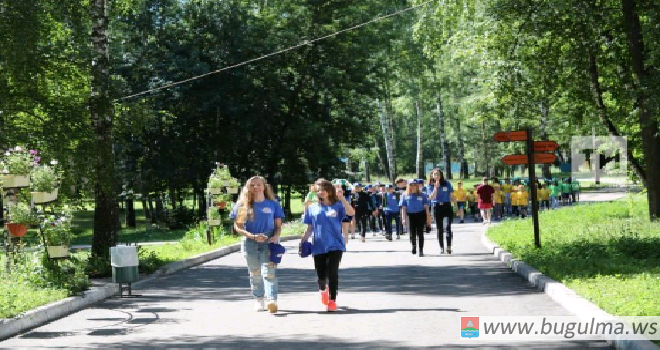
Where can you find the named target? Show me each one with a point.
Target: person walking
(415, 205)
(391, 210)
(485, 194)
(460, 195)
(258, 218)
(363, 209)
(324, 220)
(400, 189)
(441, 193)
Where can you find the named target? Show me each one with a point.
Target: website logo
(599, 159)
(469, 327)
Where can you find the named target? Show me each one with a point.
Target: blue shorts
(347, 218)
(460, 205)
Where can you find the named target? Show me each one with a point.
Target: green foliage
(214, 214)
(19, 161)
(182, 217)
(608, 256)
(44, 178)
(21, 213)
(57, 228)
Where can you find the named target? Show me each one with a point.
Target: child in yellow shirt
(461, 197)
(522, 199)
(498, 199)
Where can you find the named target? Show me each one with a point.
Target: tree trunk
(152, 212)
(461, 151)
(443, 138)
(367, 174)
(385, 125)
(390, 120)
(172, 196)
(106, 211)
(545, 111)
(381, 160)
(287, 201)
(130, 213)
(145, 208)
(484, 140)
(604, 118)
(419, 163)
(647, 121)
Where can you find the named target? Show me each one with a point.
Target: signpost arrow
(543, 146)
(539, 158)
(509, 136)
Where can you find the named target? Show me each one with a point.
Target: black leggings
(441, 212)
(417, 223)
(327, 267)
(361, 218)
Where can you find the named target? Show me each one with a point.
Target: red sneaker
(325, 296)
(332, 306)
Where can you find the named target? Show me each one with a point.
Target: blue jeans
(263, 279)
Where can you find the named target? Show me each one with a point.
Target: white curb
(50, 312)
(562, 295)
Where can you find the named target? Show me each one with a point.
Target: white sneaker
(260, 306)
(363, 239)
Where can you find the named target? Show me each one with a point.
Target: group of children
(376, 211)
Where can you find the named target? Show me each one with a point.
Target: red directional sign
(508, 136)
(542, 146)
(539, 158)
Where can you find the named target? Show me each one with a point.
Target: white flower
(53, 162)
(7, 153)
(5, 171)
(18, 148)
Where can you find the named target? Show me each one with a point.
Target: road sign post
(533, 187)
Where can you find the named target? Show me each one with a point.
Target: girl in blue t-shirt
(324, 223)
(415, 204)
(258, 217)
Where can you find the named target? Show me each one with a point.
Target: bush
(182, 217)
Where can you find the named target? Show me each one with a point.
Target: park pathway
(388, 298)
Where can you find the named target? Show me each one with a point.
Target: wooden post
(532, 187)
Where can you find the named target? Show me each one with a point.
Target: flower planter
(57, 251)
(215, 222)
(232, 190)
(13, 181)
(17, 230)
(215, 190)
(221, 205)
(44, 197)
(226, 183)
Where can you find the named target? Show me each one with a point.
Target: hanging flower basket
(15, 181)
(17, 230)
(44, 197)
(221, 205)
(215, 222)
(215, 190)
(232, 190)
(226, 183)
(57, 251)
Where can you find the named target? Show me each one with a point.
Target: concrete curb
(50, 312)
(564, 296)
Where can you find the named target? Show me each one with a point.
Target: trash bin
(124, 262)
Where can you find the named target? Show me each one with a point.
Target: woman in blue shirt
(440, 193)
(324, 222)
(415, 204)
(258, 217)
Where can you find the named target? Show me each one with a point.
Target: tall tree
(106, 211)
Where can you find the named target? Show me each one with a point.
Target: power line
(306, 42)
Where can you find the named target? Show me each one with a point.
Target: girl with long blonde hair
(258, 217)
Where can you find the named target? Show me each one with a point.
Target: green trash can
(124, 262)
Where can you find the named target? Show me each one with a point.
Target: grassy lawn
(609, 255)
(19, 293)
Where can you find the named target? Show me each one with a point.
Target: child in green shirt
(566, 192)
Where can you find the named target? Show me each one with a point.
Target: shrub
(44, 179)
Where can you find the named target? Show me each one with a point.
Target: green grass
(607, 252)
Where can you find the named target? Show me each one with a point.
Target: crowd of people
(334, 211)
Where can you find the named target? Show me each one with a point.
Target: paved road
(388, 298)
